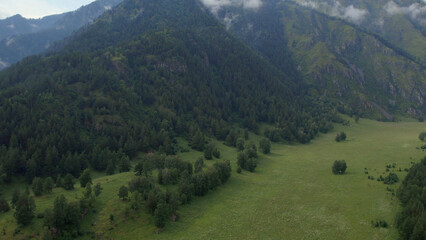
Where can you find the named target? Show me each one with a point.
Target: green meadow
(291, 195)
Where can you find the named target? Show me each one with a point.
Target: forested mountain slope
(20, 37)
(358, 70)
(173, 70)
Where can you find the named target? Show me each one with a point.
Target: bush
(265, 145)
(341, 137)
(4, 206)
(391, 179)
(380, 224)
(422, 136)
(339, 167)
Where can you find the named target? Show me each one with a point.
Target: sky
(38, 8)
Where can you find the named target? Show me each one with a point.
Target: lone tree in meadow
(339, 167)
(340, 137)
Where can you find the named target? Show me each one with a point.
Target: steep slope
(17, 25)
(34, 36)
(358, 70)
(401, 22)
(173, 70)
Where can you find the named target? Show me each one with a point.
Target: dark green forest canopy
(102, 98)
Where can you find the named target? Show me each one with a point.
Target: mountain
(173, 70)
(17, 25)
(401, 22)
(22, 37)
(361, 72)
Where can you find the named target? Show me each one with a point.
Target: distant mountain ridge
(401, 22)
(20, 37)
(361, 72)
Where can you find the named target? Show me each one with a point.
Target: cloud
(416, 11)
(216, 5)
(350, 13)
(354, 15)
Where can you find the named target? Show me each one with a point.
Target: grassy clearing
(292, 193)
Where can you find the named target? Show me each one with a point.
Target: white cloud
(416, 11)
(354, 15)
(215, 5)
(350, 13)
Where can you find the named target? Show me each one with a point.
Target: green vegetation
(359, 71)
(341, 137)
(411, 221)
(280, 182)
(339, 167)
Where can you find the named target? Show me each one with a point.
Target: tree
(339, 167)
(123, 192)
(124, 164)
(88, 191)
(68, 183)
(15, 198)
(216, 153)
(240, 144)
(25, 208)
(48, 185)
(341, 137)
(136, 200)
(251, 150)
(139, 169)
(4, 206)
(98, 189)
(198, 166)
(251, 164)
(161, 214)
(85, 178)
(265, 145)
(37, 186)
(422, 136)
(110, 168)
(208, 151)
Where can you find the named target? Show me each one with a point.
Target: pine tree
(25, 208)
(37, 186)
(123, 192)
(85, 178)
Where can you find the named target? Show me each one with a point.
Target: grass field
(292, 194)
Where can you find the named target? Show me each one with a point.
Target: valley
(291, 193)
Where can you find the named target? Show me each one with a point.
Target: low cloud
(216, 5)
(350, 13)
(416, 11)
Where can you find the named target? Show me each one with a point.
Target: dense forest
(136, 91)
(411, 221)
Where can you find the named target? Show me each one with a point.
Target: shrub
(265, 145)
(339, 167)
(380, 224)
(391, 179)
(341, 137)
(4, 206)
(422, 136)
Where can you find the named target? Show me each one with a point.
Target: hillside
(174, 71)
(20, 37)
(401, 22)
(357, 70)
